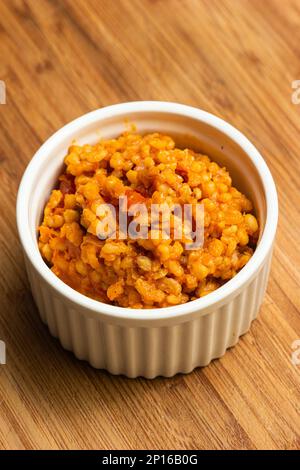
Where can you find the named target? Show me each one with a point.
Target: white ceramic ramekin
(158, 341)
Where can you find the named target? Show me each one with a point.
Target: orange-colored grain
(141, 273)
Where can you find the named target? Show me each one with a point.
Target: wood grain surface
(234, 58)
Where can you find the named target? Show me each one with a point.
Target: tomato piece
(67, 185)
(183, 172)
(134, 197)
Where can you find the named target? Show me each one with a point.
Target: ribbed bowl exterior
(149, 351)
(162, 343)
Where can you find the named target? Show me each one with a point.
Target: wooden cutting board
(234, 58)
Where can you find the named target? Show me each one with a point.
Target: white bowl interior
(187, 132)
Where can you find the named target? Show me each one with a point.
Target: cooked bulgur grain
(144, 273)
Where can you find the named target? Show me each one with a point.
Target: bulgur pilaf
(144, 273)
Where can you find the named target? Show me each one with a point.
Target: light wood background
(234, 58)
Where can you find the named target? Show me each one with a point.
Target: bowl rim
(199, 306)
